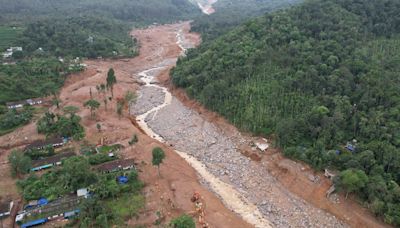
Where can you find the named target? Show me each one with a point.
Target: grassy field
(8, 35)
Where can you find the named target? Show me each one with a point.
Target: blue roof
(34, 223)
(42, 201)
(122, 179)
(350, 147)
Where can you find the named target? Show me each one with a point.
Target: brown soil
(169, 194)
(293, 175)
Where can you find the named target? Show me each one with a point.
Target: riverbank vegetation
(320, 78)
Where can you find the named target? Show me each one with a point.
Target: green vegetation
(79, 36)
(64, 126)
(20, 164)
(111, 80)
(183, 221)
(30, 79)
(134, 140)
(13, 119)
(93, 105)
(36, 154)
(126, 206)
(230, 13)
(112, 203)
(8, 36)
(75, 173)
(314, 77)
(138, 11)
(158, 157)
(100, 158)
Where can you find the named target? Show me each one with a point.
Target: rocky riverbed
(168, 120)
(187, 131)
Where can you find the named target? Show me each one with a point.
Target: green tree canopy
(158, 157)
(20, 164)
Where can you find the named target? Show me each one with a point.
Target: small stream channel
(231, 198)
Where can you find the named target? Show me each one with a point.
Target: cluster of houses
(10, 51)
(69, 204)
(20, 104)
(42, 211)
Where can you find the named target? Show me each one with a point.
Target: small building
(41, 144)
(71, 214)
(83, 192)
(51, 161)
(116, 165)
(20, 104)
(262, 144)
(34, 223)
(350, 147)
(10, 51)
(5, 208)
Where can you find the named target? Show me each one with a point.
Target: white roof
(82, 192)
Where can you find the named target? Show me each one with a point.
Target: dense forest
(87, 28)
(231, 13)
(139, 11)
(322, 79)
(79, 36)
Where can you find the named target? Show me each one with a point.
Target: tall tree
(20, 164)
(352, 180)
(158, 157)
(111, 80)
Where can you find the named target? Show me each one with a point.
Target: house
(350, 147)
(34, 223)
(51, 161)
(83, 192)
(20, 104)
(5, 208)
(116, 165)
(71, 214)
(41, 144)
(10, 51)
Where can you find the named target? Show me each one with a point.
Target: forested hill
(87, 28)
(315, 77)
(230, 13)
(142, 11)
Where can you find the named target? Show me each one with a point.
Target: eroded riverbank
(243, 185)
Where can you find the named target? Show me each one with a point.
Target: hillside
(314, 77)
(63, 27)
(141, 11)
(230, 13)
